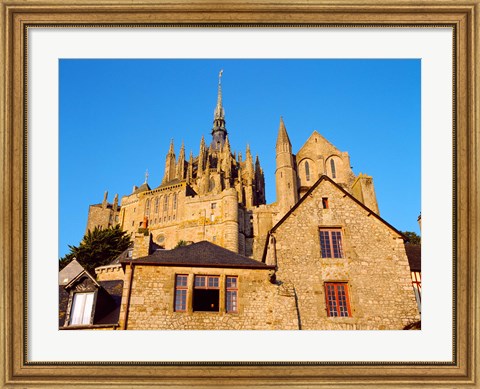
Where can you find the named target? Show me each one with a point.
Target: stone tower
(285, 174)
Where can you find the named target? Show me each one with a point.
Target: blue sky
(117, 118)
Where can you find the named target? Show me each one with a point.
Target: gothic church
(320, 257)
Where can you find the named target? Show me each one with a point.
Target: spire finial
(219, 112)
(146, 176)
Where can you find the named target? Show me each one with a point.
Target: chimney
(141, 245)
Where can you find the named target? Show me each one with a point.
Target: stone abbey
(319, 257)
(219, 197)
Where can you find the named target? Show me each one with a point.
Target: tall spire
(219, 131)
(283, 139)
(169, 164)
(181, 163)
(219, 111)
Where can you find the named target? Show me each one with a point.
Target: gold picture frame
(17, 15)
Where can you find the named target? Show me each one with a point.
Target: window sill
(342, 319)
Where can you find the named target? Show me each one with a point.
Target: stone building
(211, 196)
(319, 257)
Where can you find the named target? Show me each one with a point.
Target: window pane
(337, 244)
(231, 282)
(337, 300)
(332, 303)
(325, 244)
(82, 305)
(200, 281)
(181, 300)
(331, 243)
(231, 301)
(342, 300)
(213, 282)
(182, 281)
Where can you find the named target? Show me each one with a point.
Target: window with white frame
(82, 305)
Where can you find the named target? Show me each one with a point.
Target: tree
(413, 238)
(181, 243)
(97, 248)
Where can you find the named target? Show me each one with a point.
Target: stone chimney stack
(141, 245)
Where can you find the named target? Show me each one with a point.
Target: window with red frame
(331, 243)
(232, 294)
(181, 292)
(338, 304)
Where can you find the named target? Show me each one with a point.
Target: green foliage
(181, 243)
(97, 248)
(413, 238)
(143, 231)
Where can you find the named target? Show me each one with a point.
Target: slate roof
(201, 254)
(142, 188)
(69, 272)
(414, 255)
(114, 288)
(171, 182)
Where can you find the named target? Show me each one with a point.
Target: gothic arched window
(307, 171)
(332, 165)
(165, 203)
(174, 201)
(147, 207)
(156, 205)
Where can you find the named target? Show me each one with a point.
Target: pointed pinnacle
(282, 133)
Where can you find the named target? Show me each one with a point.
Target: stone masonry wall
(261, 304)
(374, 264)
(319, 151)
(101, 217)
(108, 273)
